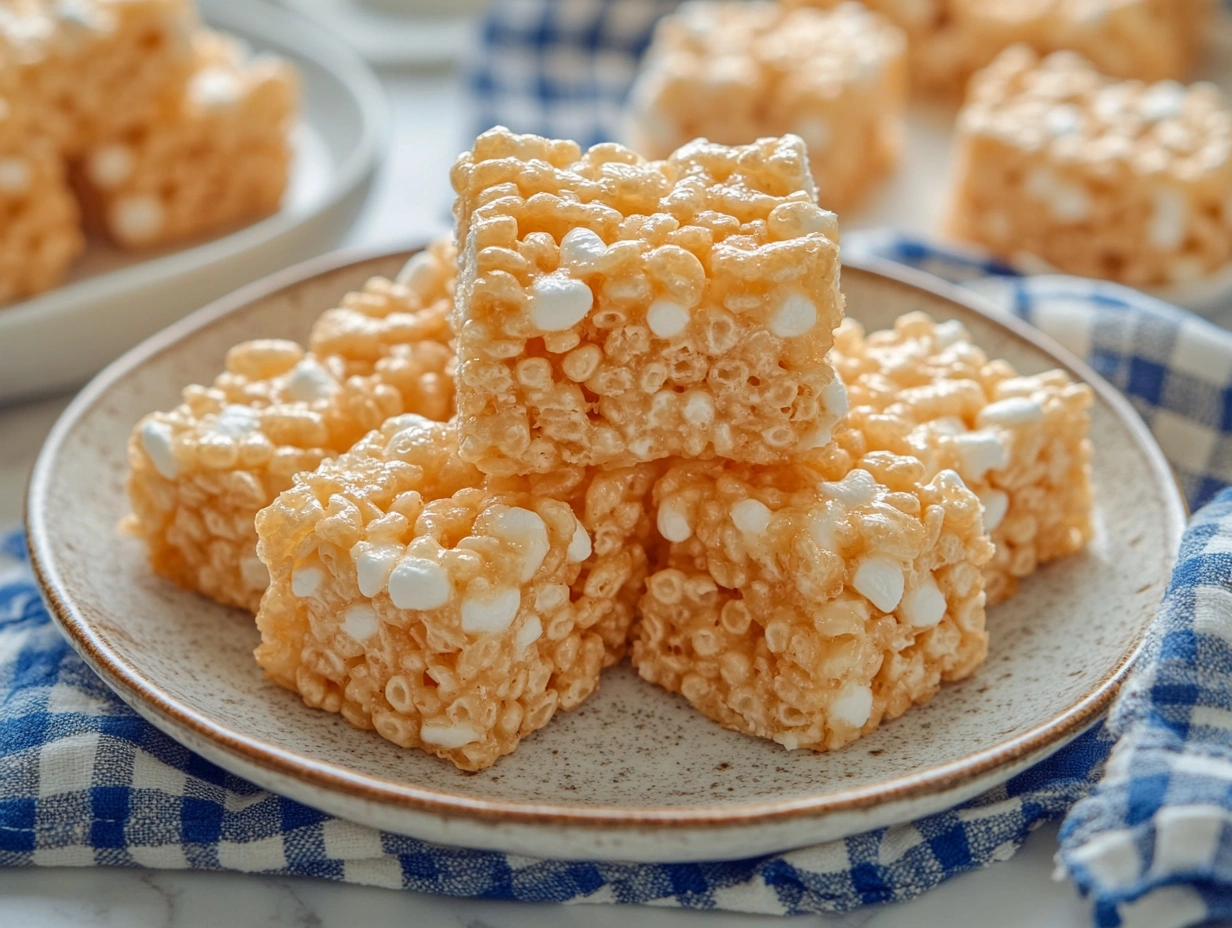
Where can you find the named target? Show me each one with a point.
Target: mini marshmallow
(880, 580)
(492, 612)
(417, 583)
(559, 303)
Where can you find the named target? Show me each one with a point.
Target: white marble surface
(412, 198)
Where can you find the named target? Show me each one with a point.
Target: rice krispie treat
(449, 611)
(735, 72)
(806, 603)
(612, 310)
(96, 69)
(39, 223)
(1020, 443)
(950, 40)
(202, 471)
(217, 154)
(1118, 180)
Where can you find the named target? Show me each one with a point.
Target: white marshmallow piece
(880, 580)
(373, 565)
(156, 440)
(858, 488)
(924, 606)
(579, 545)
(214, 88)
(795, 315)
(310, 381)
(1169, 221)
(673, 520)
(666, 318)
(254, 573)
(138, 218)
(236, 421)
(420, 273)
(751, 516)
(852, 706)
(110, 165)
(360, 622)
(996, 503)
(417, 583)
(979, 452)
(494, 612)
(580, 249)
(1016, 410)
(306, 580)
(834, 397)
(823, 529)
(14, 175)
(559, 303)
(1067, 201)
(698, 408)
(530, 632)
(447, 736)
(525, 531)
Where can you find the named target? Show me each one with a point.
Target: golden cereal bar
(96, 69)
(1118, 180)
(449, 611)
(217, 155)
(807, 603)
(39, 221)
(952, 39)
(201, 472)
(613, 310)
(1020, 443)
(735, 72)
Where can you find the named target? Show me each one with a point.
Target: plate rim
(133, 685)
(260, 18)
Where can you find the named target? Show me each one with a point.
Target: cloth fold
(84, 781)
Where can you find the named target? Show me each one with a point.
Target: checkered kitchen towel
(84, 781)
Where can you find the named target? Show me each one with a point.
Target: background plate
(633, 773)
(114, 300)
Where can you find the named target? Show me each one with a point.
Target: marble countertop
(412, 198)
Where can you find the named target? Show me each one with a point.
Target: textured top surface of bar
(613, 310)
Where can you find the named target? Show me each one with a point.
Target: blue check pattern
(84, 781)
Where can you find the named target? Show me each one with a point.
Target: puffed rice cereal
(612, 310)
(1119, 180)
(735, 72)
(201, 472)
(950, 40)
(218, 153)
(808, 602)
(1019, 443)
(449, 611)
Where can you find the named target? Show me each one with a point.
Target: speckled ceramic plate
(633, 773)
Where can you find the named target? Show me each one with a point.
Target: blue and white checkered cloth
(84, 781)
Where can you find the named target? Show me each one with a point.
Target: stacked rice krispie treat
(736, 72)
(1020, 443)
(950, 40)
(1089, 175)
(652, 454)
(201, 472)
(166, 130)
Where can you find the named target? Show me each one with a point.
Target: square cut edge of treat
(807, 603)
(449, 611)
(612, 310)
